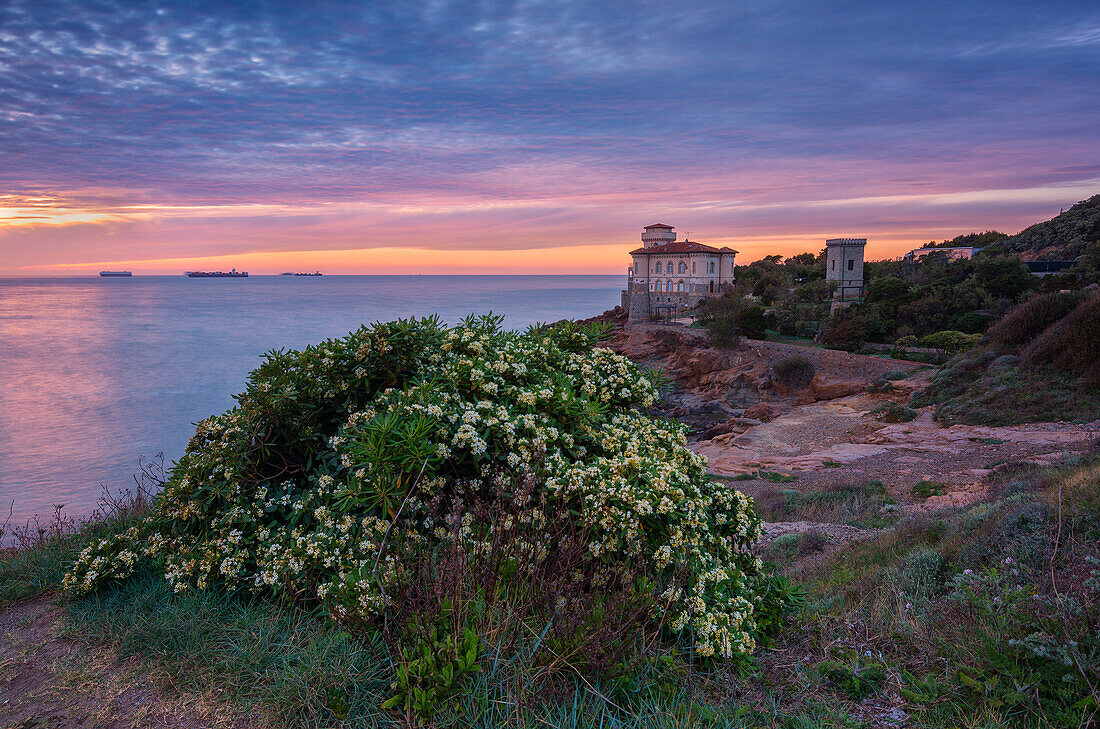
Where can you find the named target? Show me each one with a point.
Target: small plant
(880, 385)
(988, 441)
(924, 489)
(831, 464)
(892, 412)
(431, 669)
(857, 682)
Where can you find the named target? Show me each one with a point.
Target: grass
(293, 663)
(290, 665)
(982, 616)
(865, 505)
(985, 615)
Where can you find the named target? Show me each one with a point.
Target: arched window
(711, 268)
(680, 286)
(683, 267)
(712, 283)
(658, 266)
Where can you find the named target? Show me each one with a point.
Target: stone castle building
(844, 264)
(670, 276)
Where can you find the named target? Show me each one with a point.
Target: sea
(101, 375)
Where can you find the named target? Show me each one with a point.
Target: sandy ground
(49, 680)
(840, 441)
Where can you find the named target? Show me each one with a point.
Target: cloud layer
(199, 129)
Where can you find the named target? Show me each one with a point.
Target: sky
(529, 137)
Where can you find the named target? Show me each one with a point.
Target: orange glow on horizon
(585, 259)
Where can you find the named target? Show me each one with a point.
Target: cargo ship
(217, 274)
(290, 273)
(115, 274)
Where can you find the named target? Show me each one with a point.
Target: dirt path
(48, 680)
(839, 441)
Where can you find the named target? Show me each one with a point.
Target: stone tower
(657, 234)
(844, 264)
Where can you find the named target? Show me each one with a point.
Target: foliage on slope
(987, 615)
(1074, 233)
(1038, 363)
(358, 470)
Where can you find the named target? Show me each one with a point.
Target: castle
(670, 276)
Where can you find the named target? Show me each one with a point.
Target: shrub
(922, 573)
(351, 470)
(794, 372)
(924, 489)
(950, 341)
(892, 412)
(796, 544)
(1024, 322)
(907, 341)
(1071, 344)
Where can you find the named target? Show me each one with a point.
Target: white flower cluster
(369, 445)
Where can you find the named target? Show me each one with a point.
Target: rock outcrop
(715, 388)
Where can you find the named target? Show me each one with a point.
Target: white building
(670, 276)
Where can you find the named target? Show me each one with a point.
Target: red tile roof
(680, 246)
(656, 225)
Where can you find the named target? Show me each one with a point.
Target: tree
(1003, 276)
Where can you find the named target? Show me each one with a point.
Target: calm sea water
(96, 373)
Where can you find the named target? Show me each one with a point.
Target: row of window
(832, 265)
(683, 267)
(678, 286)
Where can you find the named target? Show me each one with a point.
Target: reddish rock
(824, 387)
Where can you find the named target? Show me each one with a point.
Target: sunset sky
(529, 137)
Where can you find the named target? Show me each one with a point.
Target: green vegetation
(970, 240)
(1073, 235)
(924, 489)
(933, 302)
(892, 412)
(1040, 362)
(982, 616)
(860, 505)
(727, 318)
(987, 615)
(489, 506)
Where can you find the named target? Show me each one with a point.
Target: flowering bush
(341, 460)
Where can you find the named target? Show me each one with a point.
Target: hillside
(1062, 238)
(1040, 362)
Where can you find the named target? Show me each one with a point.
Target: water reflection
(96, 373)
